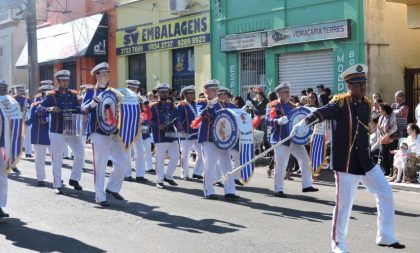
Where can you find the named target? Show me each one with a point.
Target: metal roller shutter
(307, 70)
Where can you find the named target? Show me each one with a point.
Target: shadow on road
(149, 212)
(22, 236)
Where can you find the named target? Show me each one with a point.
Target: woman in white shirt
(413, 142)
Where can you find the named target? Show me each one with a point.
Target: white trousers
(58, 143)
(346, 188)
(140, 160)
(186, 147)
(172, 148)
(216, 159)
(104, 147)
(236, 162)
(281, 156)
(147, 149)
(27, 140)
(40, 154)
(3, 185)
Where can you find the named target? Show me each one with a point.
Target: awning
(64, 41)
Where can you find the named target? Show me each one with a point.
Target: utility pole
(32, 47)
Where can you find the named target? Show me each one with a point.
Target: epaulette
(340, 99)
(51, 93)
(368, 101)
(74, 92)
(182, 103)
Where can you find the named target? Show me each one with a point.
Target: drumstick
(230, 173)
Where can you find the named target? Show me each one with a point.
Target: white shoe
(339, 248)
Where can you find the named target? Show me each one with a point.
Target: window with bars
(137, 69)
(252, 71)
(46, 72)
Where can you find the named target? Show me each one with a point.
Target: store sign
(316, 32)
(177, 33)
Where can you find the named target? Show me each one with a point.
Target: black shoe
(160, 185)
(310, 189)
(28, 156)
(129, 179)
(220, 184)
(238, 182)
(3, 214)
(41, 183)
(199, 177)
(170, 181)
(103, 203)
(116, 195)
(395, 245)
(109, 163)
(58, 191)
(186, 178)
(16, 170)
(211, 196)
(280, 194)
(231, 196)
(141, 179)
(152, 171)
(75, 185)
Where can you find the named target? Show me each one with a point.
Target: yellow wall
(390, 46)
(159, 62)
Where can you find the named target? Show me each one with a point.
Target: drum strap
(192, 109)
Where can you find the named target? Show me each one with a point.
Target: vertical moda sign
(344, 59)
(232, 78)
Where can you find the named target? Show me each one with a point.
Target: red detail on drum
(256, 121)
(110, 117)
(196, 122)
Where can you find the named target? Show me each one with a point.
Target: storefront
(262, 45)
(162, 46)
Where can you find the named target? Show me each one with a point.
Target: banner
(174, 33)
(318, 148)
(129, 118)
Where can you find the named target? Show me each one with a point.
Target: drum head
(294, 117)
(224, 129)
(107, 112)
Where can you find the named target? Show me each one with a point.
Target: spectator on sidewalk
(401, 111)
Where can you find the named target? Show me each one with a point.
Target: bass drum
(224, 129)
(107, 112)
(294, 117)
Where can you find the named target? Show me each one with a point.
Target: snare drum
(74, 124)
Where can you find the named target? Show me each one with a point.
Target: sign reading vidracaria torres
(175, 33)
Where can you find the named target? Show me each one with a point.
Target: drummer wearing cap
(187, 112)
(39, 134)
(57, 103)
(164, 136)
(25, 103)
(105, 145)
(216, 161)
(276, 116)
(350, 113)
(41, 94)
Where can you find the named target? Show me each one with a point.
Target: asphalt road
(178, 219)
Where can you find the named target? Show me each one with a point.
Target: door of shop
(307, 70)
(412, 91)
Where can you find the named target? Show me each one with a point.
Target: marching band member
(147, 138)
(39, 134)
(350, 113)
(140, 161)
(41, 94)
(214, 158)
(4, 166)
(186, 113)
(276, 114)
(57, 103)
(104, 145)
(25, 103)
(164, 136)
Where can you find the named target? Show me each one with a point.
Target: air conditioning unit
(177, 6)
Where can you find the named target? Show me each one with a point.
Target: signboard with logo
(175, 33)
(340, 29)
(183, 68)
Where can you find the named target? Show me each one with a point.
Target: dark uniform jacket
(163, 113)
(350, 147)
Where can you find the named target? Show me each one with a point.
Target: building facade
(163, 41)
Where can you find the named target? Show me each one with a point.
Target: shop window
(137, 69)
(183, 68)
(46, 72)
(252, 71)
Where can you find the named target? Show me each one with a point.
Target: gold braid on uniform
(341, 99)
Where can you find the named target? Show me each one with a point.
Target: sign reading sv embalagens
(175, 33)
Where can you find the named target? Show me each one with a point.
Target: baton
(230, 173)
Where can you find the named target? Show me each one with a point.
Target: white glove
(300, 127)
(283, 120)
(95, 101)
(212, 102)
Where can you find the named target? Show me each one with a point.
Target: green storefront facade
(305, 42)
